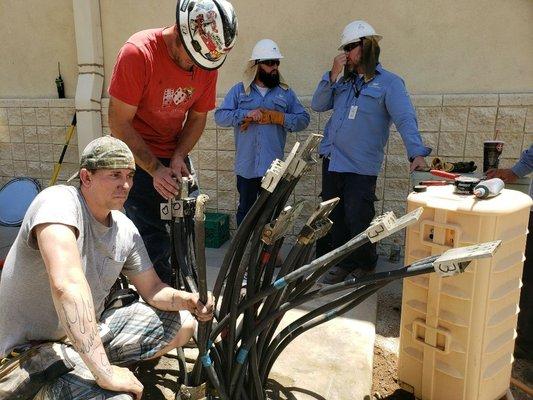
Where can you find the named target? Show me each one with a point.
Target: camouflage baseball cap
(106, 152)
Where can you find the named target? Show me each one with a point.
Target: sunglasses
(270, 63)
(350, 46)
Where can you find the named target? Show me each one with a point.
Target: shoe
(334, 275)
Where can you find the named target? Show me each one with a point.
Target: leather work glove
(272, 117)
(245, 123)
(459, 166)
(441, 165)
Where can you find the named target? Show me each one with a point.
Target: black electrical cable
(233, 289)
(247, 324)
(419, 268)
(182, 365)
(332, 256)
(294, 259)
(175, 268)
(228, 270)
(240, 239)
(281, 297)
(181, 249)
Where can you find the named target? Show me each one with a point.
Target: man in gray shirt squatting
(71, 248)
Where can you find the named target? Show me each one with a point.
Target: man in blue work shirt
(524, 339)
(365, 99)
(262, 109)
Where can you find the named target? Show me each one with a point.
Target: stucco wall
(454, 46)
(34, 36)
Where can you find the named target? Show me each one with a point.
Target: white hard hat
(265, 49)
(207, 29)
(354, 31)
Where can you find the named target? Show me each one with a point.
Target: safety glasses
(270, 63)
(350, 46)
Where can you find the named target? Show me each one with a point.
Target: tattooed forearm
(81, 321)
(77, 316)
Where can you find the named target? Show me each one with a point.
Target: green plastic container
(216, 229)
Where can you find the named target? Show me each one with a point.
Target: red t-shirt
(145, 76)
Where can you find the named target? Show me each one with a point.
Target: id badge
(353, 111)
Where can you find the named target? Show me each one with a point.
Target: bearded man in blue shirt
(261, 109)
(366, 99)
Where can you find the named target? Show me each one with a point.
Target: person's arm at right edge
(523, 167)
(74, 306)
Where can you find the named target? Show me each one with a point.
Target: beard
(270, 80)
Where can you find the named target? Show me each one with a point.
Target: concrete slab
(332, 361)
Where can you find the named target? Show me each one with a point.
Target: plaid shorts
(138, 332)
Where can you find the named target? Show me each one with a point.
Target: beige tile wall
(32, 133)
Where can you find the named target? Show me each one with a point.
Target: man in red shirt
(163, 85)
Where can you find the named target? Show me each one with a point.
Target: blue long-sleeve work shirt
(524, 167)
(259, 145)
(357, 132)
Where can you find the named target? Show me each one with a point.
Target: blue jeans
(351, 216)
(248, 192)
(143, 208)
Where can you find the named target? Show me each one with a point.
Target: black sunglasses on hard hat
(350, 46)
(270, 63)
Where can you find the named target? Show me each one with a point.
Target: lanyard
(358, 86)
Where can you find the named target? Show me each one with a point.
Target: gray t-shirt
(26, 308)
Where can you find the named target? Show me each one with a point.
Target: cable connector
(180, 205)
(303, 158)
(184, 189)
(273, 175)
(318, 224)
(387, 224)
(323, 210)
(322, 227)
(454, 261)
(187, 209)
(285, 221)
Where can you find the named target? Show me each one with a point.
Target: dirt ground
(386, 350)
